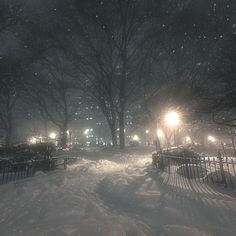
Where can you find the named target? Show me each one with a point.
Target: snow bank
(120, 195)
(64, 203)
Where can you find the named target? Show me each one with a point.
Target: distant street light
(147, 137)
(135, 138)
(188, 140)
(40, 139)
(52, 135)
(32, 140)
(211, 139)
(86, 131)
(160, 133)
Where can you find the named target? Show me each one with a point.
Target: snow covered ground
(114, 195)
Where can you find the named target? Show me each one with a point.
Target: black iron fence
(11, 171)
(212, 170)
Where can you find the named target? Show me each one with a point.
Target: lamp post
(173, 120)
(52, 135)
(159, 138)
(211, 139)
(146, 137)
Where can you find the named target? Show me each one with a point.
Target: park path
(119, 195)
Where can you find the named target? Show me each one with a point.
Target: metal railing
(11, 171)
(212, 170)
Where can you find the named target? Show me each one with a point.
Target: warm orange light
(172, 119)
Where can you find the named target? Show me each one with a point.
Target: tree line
(117, 52)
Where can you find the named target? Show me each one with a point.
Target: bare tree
(10, 82)
(107, 43)
(52, 92)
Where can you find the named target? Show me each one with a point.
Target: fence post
(223, 180)
(233, 167)
(209, 164)
(202, 171)
(160, 162)
(196, 164)
(230, 179)
(154, 160)
(169, 165)
(217, 178)
(3, 175)
(186, 166)
(205, 166)
(65, 163)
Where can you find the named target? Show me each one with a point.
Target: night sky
(114, 65)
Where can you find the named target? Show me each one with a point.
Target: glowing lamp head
(52, 135)
(211, 139)
(33, 140)
(160, 134)
(147, 131)
(135, 138)
(188, 140)
(172, 119)
(86, 131)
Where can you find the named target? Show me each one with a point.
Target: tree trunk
(233, 141)
(122, 130)
(8, 130)
(114, 138)
(8, 138)
(112, 127)
(122, 106)
(45, 124)
(111, 121)
(63, 136)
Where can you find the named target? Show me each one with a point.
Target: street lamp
(32, 140)
(52, 135)
(147, 137)
(86, 131)
(173, 120)
(211, 139)
(160, 133)
(136, 137)
(188, 140)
